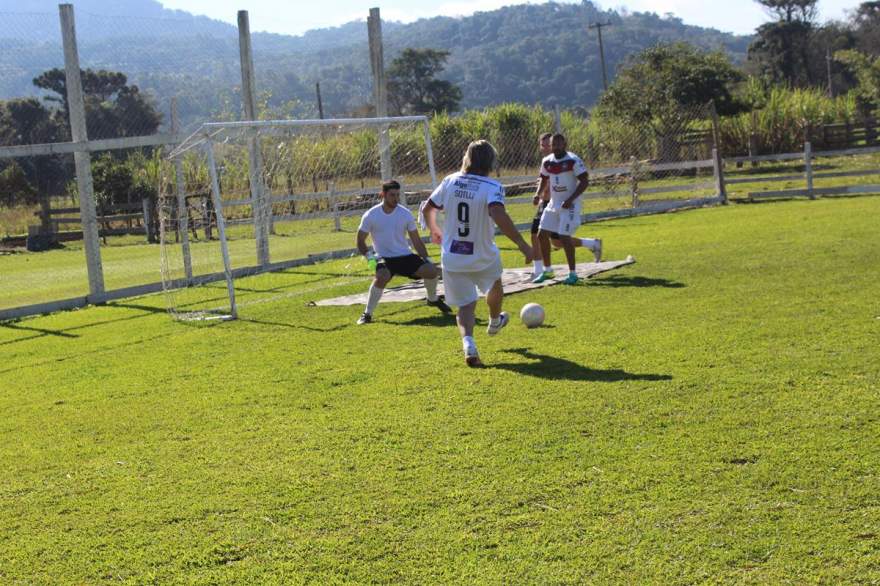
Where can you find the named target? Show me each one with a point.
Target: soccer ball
(532, 315)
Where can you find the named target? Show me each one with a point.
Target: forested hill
(527, 53)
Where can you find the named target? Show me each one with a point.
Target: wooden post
(718, 168)
(46, 215)
(870, 131)
(334, 207)
(259, 204)
(808, 168)
(380, 89)
(753, 138)
(148, 219)
(83, 162)
(634, 181)
(182, 209)
(557, 119)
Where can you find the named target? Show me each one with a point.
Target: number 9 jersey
(468, 232)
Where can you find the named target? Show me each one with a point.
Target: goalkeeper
(388, 224)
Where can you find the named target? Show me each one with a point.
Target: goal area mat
(514, 280)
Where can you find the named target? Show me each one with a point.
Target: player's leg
(568, 225)
(592, 244)
(489, 282)
(461, 292)
(538, 262)
(429, 274)
(377, 287)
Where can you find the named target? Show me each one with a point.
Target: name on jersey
(462, 194)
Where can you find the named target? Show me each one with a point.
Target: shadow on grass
(553, 368)
(279, 324)
(438, 320)
(624, 281)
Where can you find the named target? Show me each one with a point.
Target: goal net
(252, 204)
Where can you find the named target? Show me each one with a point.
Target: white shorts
(563, 222)
(461, 288)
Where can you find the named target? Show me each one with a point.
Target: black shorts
(405, 266)
(536, 221)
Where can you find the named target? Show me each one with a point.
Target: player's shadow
(554, 368)
(627, 281)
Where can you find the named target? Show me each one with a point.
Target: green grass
(706, 415)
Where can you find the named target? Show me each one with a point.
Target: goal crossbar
(211, 130)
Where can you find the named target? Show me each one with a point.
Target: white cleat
(503, 320)
(472, 357)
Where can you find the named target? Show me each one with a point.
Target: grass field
(709, 414)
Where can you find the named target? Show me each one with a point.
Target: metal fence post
(557, 119)
(634, 181)
(718, 168)
(82, 160)
(808, 168)
(334, 208)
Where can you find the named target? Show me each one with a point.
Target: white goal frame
(212, 133)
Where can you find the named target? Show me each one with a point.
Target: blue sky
(297, 16)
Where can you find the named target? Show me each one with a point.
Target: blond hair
(479, 158)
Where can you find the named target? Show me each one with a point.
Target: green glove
(372, 262)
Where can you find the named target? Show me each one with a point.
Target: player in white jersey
(389, 223)
(474, 205)
(566, 177)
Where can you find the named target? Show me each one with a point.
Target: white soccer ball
(532, 315)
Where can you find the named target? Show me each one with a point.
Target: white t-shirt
(388, 231)
(562, 178)
(469, 232)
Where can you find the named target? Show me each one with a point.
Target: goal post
(319, 176)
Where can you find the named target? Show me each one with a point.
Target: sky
(297, 16)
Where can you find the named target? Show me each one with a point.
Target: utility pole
(828, 64)
(598, 26)
(320, 103)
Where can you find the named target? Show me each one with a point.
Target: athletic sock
(467, 342)
(431, 288)
(373, 300)
(539, 266)
(495, 320)
(572, 273)
(589, 243)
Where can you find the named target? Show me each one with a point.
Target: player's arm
(583, 183)
(508, 228)
(418, 245)
(430, 212)
(362, 243)
(543, 191)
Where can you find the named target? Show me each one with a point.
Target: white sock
(495, 320)
(373, 300)
(431, 288)
(468, 342)
(589, 243)
(539, 266)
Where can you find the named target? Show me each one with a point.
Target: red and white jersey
(562, 178)
(469, 231)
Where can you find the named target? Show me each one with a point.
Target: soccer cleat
(472, 357)
(543, 277)
(440, 304)
(503, 320)
(571, 279)
(366, 318)
(597, 250)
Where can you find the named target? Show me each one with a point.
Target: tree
(792, 10)
(114, 109)
(867, 71)
(866, 24)
(780, 52)
(413, 87)
(660, 83)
